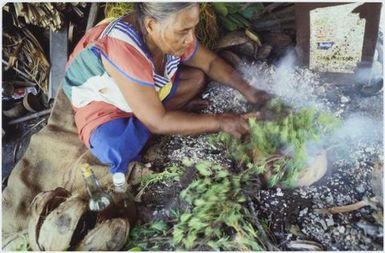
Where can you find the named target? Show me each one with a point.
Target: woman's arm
(217, 69)
(148, 108)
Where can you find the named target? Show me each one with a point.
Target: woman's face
(173, 35)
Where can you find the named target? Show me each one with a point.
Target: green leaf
(222, 174)
(136, 248)
(177, 234)
(252, 9)
(199, 202)
(229, 25)
(159, 225)
(220, 8)
(204, 168)
(214, 245)
(187, 162)
(185, 217)
(196, 224)
(190, 239)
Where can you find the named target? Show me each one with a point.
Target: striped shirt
(94, 94)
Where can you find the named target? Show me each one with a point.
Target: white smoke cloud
(301, 88)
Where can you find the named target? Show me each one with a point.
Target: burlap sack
(50, 161)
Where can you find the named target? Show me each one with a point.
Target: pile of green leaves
(217, 219)
(154, 236)
(236, 16)
(290, 131)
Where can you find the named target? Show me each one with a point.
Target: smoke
(296, 87)
(301, 88)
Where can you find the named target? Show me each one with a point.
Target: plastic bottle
(99, 199)
(122, 197)
(120, 188)
(119, 181)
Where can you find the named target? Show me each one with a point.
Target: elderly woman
(135, 76)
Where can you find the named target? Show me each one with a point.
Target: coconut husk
(109, 235)
(307, 176)
(41, 205)
(232, 39)
(314, 171)
(264, 51)
(16, 242)
(249, 49)
(59, 226)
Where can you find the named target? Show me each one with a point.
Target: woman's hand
(255, 96)
(234, 124)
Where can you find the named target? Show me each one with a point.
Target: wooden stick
(28, 117)
(92, 16)
(17, 70)
(348, 208)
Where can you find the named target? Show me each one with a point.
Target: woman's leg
(191, 82)
(118, 142)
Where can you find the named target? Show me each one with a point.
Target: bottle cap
(119, 178)
(86, 169)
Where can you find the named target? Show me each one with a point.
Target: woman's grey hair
(158, 10)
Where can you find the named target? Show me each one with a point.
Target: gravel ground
(357, 146)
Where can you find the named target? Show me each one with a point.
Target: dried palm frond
(45, 15)
(23, 53)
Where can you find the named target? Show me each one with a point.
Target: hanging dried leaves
(45, 15)
(23, 53)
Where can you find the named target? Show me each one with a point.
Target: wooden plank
(58, 54)
(92, 16)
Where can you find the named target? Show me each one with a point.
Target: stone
(303, 212)
(360, 188)
(279, 192)
(329, 222)
(323, 224)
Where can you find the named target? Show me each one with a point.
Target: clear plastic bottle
(99, 199)
(120, 188)
(123, 199)
(119, 181)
